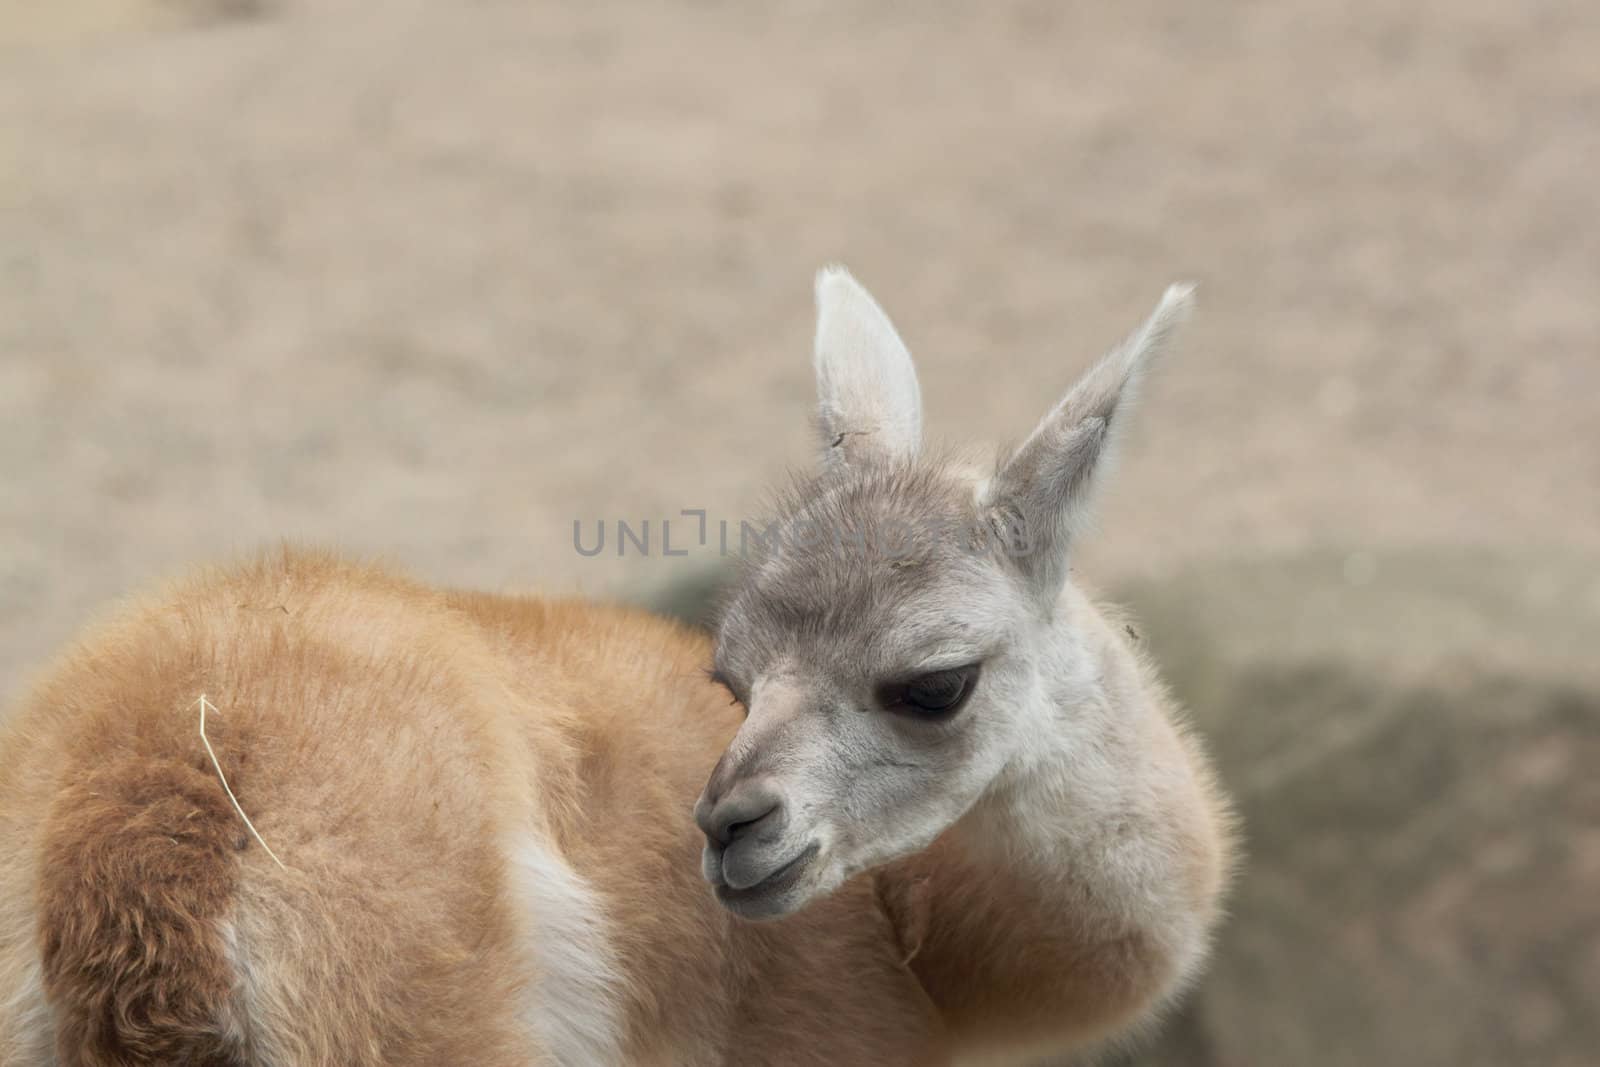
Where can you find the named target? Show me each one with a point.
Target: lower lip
(779, 880)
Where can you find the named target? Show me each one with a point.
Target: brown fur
(383, 737)
(386, 739)
(133, 879)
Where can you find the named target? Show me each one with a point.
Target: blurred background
(433, 280)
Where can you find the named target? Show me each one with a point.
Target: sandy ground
(433, 280)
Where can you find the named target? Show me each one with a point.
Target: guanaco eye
(934, 695)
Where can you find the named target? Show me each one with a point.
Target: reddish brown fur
(133, 880)
(345, 725)
(384, 737)
(387, 740)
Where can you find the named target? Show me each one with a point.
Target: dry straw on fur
(204, 704)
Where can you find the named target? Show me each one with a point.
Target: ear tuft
(833, 280)
(1176, 305)
(869, 407)
(1181, 293)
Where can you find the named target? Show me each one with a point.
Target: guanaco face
(891, 643)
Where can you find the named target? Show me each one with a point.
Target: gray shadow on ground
(1411, 739)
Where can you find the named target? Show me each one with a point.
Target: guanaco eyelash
(721, 679)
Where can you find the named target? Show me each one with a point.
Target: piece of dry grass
(204, 705)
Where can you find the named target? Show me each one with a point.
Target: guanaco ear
(869, 408)
(1039, 498)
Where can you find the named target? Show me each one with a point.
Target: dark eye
(931, 695)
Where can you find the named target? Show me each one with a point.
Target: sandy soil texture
(435, 281)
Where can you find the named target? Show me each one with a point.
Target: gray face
(873, 649)
(888, 645)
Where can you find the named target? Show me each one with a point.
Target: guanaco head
(890, 641)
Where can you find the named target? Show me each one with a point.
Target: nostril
(737, 816)
(734, 830)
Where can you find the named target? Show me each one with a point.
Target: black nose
(738, 814)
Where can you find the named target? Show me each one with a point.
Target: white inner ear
(867, 394)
